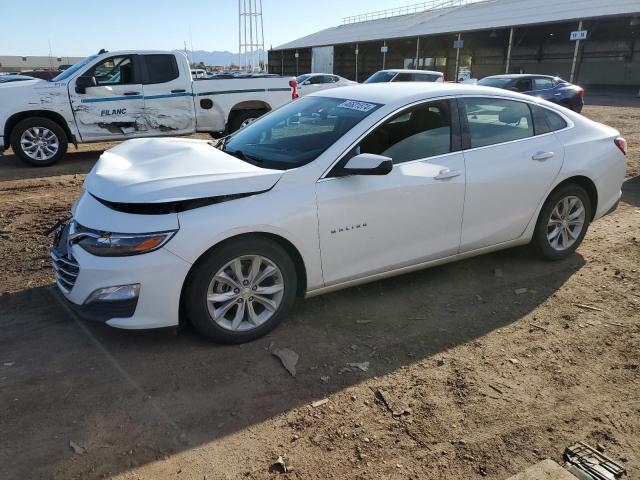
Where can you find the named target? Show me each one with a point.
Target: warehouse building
(591, 42)
(17, 64)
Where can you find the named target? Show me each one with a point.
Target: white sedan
(329, 191)
(315, 82)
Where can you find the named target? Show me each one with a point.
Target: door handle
(445, 174)
(178, 90)
(542, 156)
(131, 93)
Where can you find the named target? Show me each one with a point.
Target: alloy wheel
(39, 143)
(245, 293)
(565, 223)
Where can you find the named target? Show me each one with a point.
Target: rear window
(380, 77)
(416, 77)
(495, 82)
(161, 68)
(543, 83)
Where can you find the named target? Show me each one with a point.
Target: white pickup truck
(128, 94)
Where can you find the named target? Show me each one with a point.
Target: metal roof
(475, 16)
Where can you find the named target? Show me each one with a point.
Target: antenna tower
(250, 34)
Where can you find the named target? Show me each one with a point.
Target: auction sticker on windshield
(355, 105)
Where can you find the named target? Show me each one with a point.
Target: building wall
(14, 63)
(610, 56)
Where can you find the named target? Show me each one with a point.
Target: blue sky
(79, 28)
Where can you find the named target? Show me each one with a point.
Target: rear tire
(38, 141)
(242, 118)
(231, 304)
(562, 223)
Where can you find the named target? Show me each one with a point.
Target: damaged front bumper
(134, 292)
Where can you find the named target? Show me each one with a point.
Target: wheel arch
(587, 184)
(286, 244)
(16, 118)
(250, 105)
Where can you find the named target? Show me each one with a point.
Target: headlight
(106, 244)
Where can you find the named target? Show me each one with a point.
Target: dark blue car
(550, 88)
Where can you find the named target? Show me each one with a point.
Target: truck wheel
(39, 141)
(241, 290)
(242, 118)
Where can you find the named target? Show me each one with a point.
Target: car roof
(407, 70)
(406, 92)
(520, 75)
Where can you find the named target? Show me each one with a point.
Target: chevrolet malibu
(332, 190)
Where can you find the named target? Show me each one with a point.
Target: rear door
(114, 108)
(168, 102)
(510, 165)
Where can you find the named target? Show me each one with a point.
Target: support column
(297, 69)
(506, 66)
(575, 56)
(384, 55)
(357, 52)
(415, 64)
(457, 59)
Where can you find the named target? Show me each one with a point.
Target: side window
(316, 79)
(404, 77)
(542, 83)
(160, 68)
(113, 71)
(333, 79)
(555, 121)
(421, 132)
(523, 85)
(493, 120)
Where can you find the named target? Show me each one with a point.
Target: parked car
(393, 178)
(405, 76)
(121, 95)
(15, 78)
(553, 89)
(314, 82)
(198, 73)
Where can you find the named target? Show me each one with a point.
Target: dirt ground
(478, 381)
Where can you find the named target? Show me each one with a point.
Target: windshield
(380, 77)
(302, 78)
(297, 133)
(73, 69)
(495, 82)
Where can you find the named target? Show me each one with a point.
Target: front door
(114, 108)
(509, 170)
(370, 224)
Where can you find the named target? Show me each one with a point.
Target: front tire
(241, 290)
(563, 222)
(39, 141)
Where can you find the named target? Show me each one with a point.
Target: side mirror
(367, 164)
(82, 83)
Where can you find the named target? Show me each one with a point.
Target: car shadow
(130, 398)
(74, 162)
(631, 191)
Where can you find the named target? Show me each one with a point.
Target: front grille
(64, 265)
(66, 269)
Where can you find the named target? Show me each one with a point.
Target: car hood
(171, 170)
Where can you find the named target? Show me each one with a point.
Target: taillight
(581, 92)
(294, 85)
(621, 143)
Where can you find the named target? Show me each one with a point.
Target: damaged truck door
(112, 106)
(168, 105)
